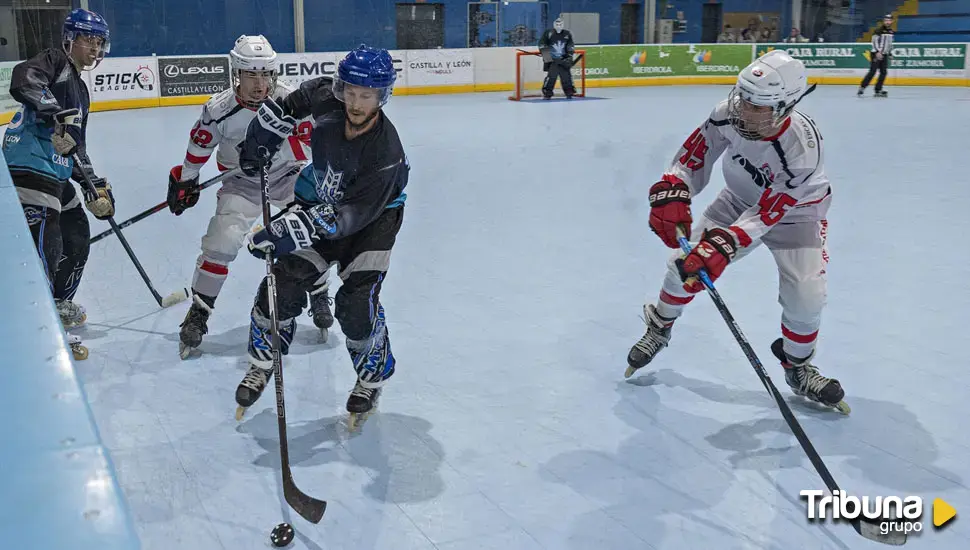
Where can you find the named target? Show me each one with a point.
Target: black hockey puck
(282, 535)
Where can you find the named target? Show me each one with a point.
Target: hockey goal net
(529, 75)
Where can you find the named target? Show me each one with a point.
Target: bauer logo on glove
(292, 231)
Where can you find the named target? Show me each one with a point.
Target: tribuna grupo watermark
(894, 514)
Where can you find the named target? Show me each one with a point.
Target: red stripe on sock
(215, 269)
(668, 298)
(798, 338)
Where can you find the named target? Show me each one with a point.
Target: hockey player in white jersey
(776, 193)
(221, 127)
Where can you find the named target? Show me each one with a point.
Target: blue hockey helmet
(367, 67)
(81, 22)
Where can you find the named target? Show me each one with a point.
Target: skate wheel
(80, 352)
(240, 413)
(356, 420)
(843, 408)
(185, 351)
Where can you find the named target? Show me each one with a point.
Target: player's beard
(357, 127)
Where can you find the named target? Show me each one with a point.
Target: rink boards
(153, 81)
(59, 488)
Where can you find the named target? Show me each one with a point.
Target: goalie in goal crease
(557, 49)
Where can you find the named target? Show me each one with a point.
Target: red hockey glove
(670, 206)
(713, 253)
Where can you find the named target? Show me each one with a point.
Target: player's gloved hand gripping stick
(170, 300)
(866, 527)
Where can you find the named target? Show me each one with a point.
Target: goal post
(529, 75)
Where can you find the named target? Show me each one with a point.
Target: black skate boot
(194, 326)
(360, 404)
(261, 358)
(71, 314)
(860, 92)
(805, 380)
(320, 302)
(251, 388)
(655, 339)
(881, 93)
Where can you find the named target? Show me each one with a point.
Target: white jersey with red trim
(775, 179)
(222, 125)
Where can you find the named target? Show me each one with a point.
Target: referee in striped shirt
(882, 47)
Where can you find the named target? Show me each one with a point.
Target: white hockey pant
(800, 256)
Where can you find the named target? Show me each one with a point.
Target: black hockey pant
(556, 71)
(362, 260)
(60, 229)
(882, 65)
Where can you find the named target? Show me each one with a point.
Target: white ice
(514, 294)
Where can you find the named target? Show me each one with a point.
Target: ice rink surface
(514, 294)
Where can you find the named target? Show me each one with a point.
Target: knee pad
(372, 356)
(261, 338)
(355, 310)
(802, 302)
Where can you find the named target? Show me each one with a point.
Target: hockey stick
(161, 206)
(866, 527)
(168, 301)
(310, 508)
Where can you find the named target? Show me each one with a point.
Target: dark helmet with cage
(368, 68)
(85, 28)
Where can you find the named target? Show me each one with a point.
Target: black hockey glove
(294, 230)
(264, 136)
(182, 195)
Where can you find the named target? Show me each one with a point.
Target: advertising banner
(296, 68)
(646, 60)
(440, 67)
(123, 78)
(7, 103)
(197, 75)
(919, 60)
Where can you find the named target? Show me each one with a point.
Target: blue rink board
(58, 489)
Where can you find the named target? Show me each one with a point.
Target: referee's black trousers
(882, 65)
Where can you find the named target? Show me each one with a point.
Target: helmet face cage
(749, 122)
(368, 68)
(238, 75)
(84, 24)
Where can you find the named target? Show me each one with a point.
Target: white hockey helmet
(253, 55)
(766, 93)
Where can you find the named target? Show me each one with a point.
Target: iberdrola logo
(638, 58)
(703, 56)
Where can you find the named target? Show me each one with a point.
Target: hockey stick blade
(309, 508)
(865, 527)
(871, 530)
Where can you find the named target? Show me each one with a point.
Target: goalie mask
(765, 94)
(254, 70)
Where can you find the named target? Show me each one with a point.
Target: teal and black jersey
(44, 85)
(359, 178)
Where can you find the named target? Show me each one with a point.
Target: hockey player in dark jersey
(558, 42)
(39, 144)
(348, 209)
